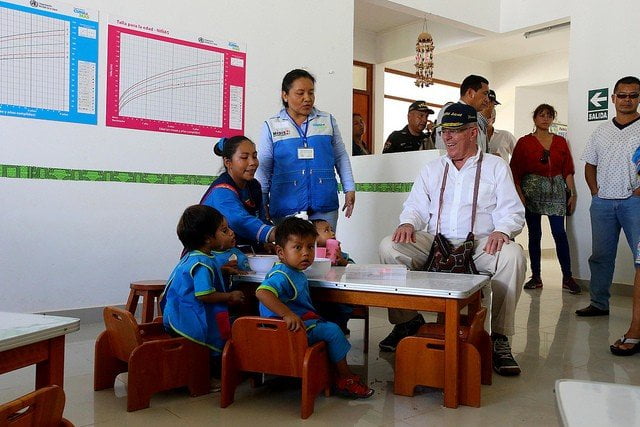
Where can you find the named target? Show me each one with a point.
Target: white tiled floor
(550, 343)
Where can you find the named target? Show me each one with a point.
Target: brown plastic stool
(150, 291)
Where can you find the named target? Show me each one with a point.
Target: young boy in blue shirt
(284, 294)
(194, 303)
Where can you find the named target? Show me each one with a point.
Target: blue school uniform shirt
(292, 288)
(208, 324)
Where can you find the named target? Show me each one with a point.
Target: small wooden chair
(155, 360)
(265, 345)
(40, 408)
(420, 360)
(150, 291)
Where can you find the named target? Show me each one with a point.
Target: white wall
(529, 97)
(79, 244)
(364, 46)
(529, 71)
(597, 59)
(376, 214)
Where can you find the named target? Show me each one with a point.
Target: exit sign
(598, 104)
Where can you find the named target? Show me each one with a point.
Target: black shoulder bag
(444, 257)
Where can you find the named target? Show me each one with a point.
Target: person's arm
(387, 147)
(591, 176)
(271, 301)
(265, 169)
(205, 291)
(516, 165)
(571, 186)
(343, 166)
(241, 222)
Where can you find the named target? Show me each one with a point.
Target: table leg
(51, 371)
(451, 353)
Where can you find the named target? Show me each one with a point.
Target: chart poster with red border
(165, 81)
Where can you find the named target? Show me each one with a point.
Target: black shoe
(592, 311)
(400, 331)
(503, 361)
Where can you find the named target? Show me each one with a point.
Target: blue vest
(302, 184)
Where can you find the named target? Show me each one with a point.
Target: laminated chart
(164, 81)
(48, 61)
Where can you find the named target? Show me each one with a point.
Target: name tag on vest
(305, 153)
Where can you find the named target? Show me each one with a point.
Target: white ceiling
(377, 19)
(503, 48)
(495, 48)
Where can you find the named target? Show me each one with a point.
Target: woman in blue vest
(237, 195)
(300, 149)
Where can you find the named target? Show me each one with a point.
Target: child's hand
(231, 268)
(236, 297)
(293, 322)
(340, 260)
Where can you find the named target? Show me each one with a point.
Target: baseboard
(619, 289)
(86, 315)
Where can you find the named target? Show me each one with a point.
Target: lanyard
(303, 135)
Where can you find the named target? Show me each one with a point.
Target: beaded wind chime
(424, 59)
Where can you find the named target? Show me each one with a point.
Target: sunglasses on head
(545, 157)
(633, 95)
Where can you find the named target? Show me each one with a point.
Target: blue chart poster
(48, 61)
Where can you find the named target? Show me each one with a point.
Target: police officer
(412, 137)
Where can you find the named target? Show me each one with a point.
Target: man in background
(474, 91)
(412, 137)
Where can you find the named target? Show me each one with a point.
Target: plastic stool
(150, 291)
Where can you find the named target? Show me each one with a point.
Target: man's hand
(405, 233)
(495, 242)
(293, 322)
(349, 202)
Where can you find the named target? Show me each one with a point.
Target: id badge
(305, 153)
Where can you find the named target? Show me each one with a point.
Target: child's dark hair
(315, 222)
(293, 226)
(291, 77)
(196, 224)
(226, 147)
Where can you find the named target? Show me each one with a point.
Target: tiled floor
(550, 343)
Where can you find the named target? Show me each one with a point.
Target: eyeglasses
(633, 95)
(444, 132)
(545, 157)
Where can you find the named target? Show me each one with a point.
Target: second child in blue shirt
(196, 299)
(284, 294)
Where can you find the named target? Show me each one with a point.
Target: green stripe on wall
(61, 174)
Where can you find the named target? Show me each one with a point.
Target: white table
(590, 403)
(423, 291)
(27, 339)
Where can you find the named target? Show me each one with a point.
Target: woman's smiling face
(244, 162)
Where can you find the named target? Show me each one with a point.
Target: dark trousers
(534, 225)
